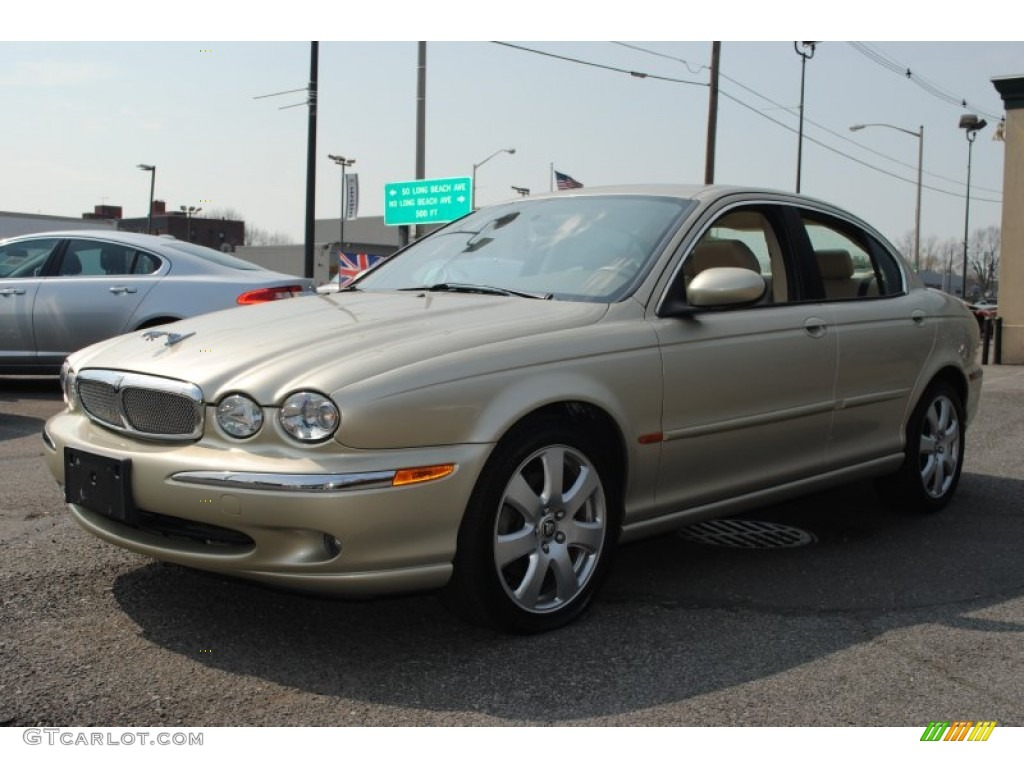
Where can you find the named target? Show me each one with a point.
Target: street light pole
(808, 45)
(344, 162)
(919, 134)
(971, 124)
(477, 165)
(189, 212)
(152, 185)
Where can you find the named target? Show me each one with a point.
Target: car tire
(530, 557)
(934, 453)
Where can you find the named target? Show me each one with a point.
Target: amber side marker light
(422, 474)
(261, 295)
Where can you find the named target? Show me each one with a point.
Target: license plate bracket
(100, 484)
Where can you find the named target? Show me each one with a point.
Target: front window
(576, 248)
(852, 264)
(25, 258)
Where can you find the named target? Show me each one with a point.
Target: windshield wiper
(490, 290)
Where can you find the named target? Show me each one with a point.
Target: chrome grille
(158, 413)
(100, 401)
(145, 406)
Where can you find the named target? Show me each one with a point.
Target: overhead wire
(755, 110)
(838, 135)
(884, 60)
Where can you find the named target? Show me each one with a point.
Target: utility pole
(314, 54)
(421, 116)
(805, 55)
(709, 158)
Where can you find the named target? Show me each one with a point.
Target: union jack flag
(352, 264)
(565, 181)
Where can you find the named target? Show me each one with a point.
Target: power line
(631, 72)
(837, 134)
(887, 62)
(693, 70)
(848, 140)
(753, 109)
(857, 160)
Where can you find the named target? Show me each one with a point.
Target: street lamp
(189, 212)
(523, 191)
(477, 165)
(920, 164)
(344, 162)
(971, 124)
(152, 186)
(806, 54)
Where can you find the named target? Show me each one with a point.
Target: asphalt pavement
(883, 619)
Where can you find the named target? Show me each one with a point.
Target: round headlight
(239, 416)
(309, 416)
(67, 385)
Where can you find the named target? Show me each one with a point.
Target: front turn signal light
(422, 474)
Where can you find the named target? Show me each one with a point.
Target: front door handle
(12, 292)
(119, 289)
(815, 327)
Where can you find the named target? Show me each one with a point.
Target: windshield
(580, 248)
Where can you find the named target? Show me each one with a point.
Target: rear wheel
(538, 532)
(934, 454)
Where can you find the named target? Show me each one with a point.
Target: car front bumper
(281, 518)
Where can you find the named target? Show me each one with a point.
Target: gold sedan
(494, 408)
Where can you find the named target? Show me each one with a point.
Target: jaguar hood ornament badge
(172, 338)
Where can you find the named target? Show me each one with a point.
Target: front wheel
(537, 536)
(934, 453)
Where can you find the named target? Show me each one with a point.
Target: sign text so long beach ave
(427, 201)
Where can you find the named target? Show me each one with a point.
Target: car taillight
(261, 295)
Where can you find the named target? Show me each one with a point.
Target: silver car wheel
(939, 447)
(550, 529)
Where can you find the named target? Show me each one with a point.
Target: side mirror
(725, 287)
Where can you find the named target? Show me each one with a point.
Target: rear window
(208, 254)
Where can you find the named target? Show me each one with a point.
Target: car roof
(113, 235)
(703, 193)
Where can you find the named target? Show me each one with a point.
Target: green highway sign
(427, 201)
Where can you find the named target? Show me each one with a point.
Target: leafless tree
(231, 214)
(984, 258)
(260, 236)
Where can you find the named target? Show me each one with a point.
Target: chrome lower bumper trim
(290, 482)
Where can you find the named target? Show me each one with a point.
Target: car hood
(326, 342)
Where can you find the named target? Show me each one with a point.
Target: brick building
(221, 234)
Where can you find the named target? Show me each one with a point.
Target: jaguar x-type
(493, 409)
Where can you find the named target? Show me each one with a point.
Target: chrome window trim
(783, 202)
(289, 482)
(120, 380)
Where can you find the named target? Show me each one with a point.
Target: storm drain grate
(747, 534)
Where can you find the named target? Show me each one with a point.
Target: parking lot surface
(882, 619)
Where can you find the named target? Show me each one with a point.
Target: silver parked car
(494, 408)
(61, 291)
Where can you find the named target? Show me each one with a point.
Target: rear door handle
(918, 316)
(12, 292)
(119, 289)
(815, 327)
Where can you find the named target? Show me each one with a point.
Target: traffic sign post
(427, 201)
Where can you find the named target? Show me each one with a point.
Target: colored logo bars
(960, 730)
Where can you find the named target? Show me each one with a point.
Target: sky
(82, 114)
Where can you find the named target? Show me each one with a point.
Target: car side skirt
(670, 522)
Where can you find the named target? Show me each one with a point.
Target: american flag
(565, 181)
(352, 264)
